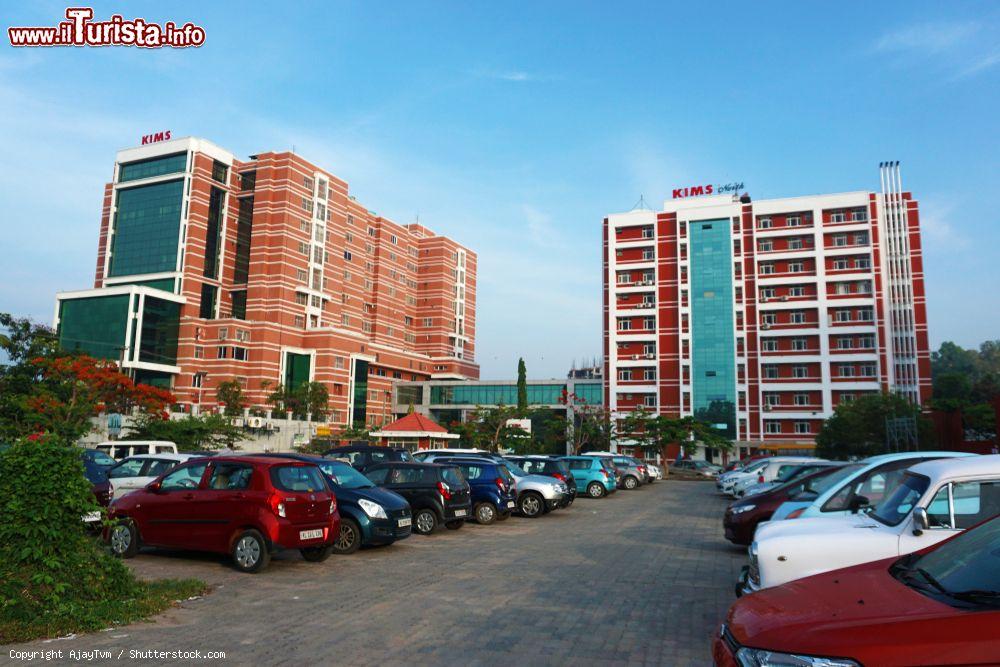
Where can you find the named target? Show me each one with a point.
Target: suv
(363, 456)
(120, 449)
(246, 506)
(934, 501)
(492, 486)
(695, 468)
(632, 471)
(550, 467)
(368, 515)
(591, 476)
(437, 493)
(937, 606)
(536, 494)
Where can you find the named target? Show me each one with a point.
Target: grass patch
(150, 598)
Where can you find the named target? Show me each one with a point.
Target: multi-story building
(267, 271)
(762, 316)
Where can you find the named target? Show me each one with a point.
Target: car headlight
(756, 657)
(374, 510)
(742, 508)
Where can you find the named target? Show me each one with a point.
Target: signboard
(704, 190)
(155, 136)
(523, 424)
(114, 425)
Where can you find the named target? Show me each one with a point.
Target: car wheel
(454, 525)
(424, 521)
(630, 482)
(317, 554)
(596, 490)
(485, 513)
(531, 504)
(503, 516)
(124, 539)
(349, 539)
(250, 552)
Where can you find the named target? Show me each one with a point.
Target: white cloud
(965, 48)
(927, 37)
(937, 229)
(980, 65)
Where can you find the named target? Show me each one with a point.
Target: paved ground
(642, 577)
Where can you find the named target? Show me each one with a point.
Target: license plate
(460, 512)
(311, 534)
(402, 523)
(510, 503)
(90, 517)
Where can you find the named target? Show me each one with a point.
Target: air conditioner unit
(784, 298)
(651, 355)
(764, 299)
(255, 422)
(238, 422)
(634, 357)
(765, 327)
(767, 407)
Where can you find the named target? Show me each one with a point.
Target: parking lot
(642, 577)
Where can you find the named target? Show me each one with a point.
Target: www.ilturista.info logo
(81, 30)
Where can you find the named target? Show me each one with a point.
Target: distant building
(595, 371)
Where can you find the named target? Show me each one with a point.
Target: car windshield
(453, 477)
(101, 459)
(821, 485)
(790, 472)
(965, 568)
(514, 469)
(345, 476)
(303, 479)
(899, 503)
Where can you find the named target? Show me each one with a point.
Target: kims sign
(702, 190)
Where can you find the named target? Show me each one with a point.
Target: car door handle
(188, 496)
(239, 496)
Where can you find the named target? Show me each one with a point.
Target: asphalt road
(641, 577)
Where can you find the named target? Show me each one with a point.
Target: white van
(120, 449)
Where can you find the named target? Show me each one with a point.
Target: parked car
(428, 455)
(591, 475)
(772, 467)
(135, 472)
(536, 494)
(364, 456)
(935, 500)
(120, 449)
(96, 463)
(866, 486)
(436, 493)
(550, 467)
(696, 468)
(95, 469)
(494, 494)
(633, 471)
(743, 516)
(245, 506)
(726, 480)
(786, 473)
(655, 472)
(939, 606)
(369, 515)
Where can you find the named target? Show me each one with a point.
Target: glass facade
(160, 324)
(592, 392)
(156, 166)
(360, 411)
(165, 284)
(206, 309)
(713, 353)
(95, 325)
(296, 370)
(495, 394)
(409, 395)
(146, 229)
(213, 237)
(239, 301)
(244, 227)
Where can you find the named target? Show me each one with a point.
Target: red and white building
(762, 316)
(267, 271)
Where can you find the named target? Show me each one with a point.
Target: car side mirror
(920, 521)
(857, 502)
(153, 486)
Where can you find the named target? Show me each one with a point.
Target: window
(846, 398)
(796, 267)
(647, 232)
(961, 505)
(801, 399)
(840, 265)
(800, 371)
(240, 354)
(845, 371)
(649, 400)
(797, 290)
(795, 244)
(862, 263)
(766, 268)
(647, 253)
(772, 427)
(197, 379)
(185, 478)
(837, 217)
(842, 316)
(866, 342)
(765, 246)
(649, 348)
(770, 371)
(219, 171)
(307, 204)
(300, 275)
(248, 180)
(625, 375)
(865, 315)
(769, 345)
(347, 255)
(157, 166)
(845, 343)
(199, 352)
(207, 306)
(624, 325)
(799, 344)
(764, 223)
(839, 240)
(767, 293)
(802, 428)
(300, 321)
(867, 370)
(793, 221)
(649, 323)
(797, 317)
(769, 318)
(772, 400)
(859, 216)
(649, 374)
(300, 298)
(861, 238)
(239, 304)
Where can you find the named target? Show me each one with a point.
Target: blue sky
(515, 127)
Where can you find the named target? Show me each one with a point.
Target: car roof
(260, 459)
(310, 458)
(169, 456)
(959, 467)
(411, 464)
(471, 459)
(898, 456)
(380, 448)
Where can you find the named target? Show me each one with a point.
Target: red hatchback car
(936, 607)
(245, 506)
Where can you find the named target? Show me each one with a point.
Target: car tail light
(760, 479)
(796, 514)
(501, 484)
(277, 506)
(333, 506)
(445, 491)
(604, 472)
(559, 476)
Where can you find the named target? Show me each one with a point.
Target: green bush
(54, 577)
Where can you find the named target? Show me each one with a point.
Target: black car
(363, 456)
(550, 467)
(437, 493)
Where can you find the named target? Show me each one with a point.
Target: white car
(933, 501)
(135, 472)
(726, 480)
(773, 468)
(654, 471)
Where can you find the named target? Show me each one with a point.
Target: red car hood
(863, 613)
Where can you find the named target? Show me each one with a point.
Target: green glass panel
(239, 301)
(244, 227)
(152, 378)
(409, 395)
(495, 394)
(360, 411)
(94, 325)
(146, 228)
(156, 166)
(296, 370)
(160, 324)
(713, 347)
(213, 236)
(165, 284)
(592, 393)
(206, 309)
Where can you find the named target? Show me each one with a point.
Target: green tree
(230, 394)
(522, 388)
(191, 433)
(487, 428)
(858, 428)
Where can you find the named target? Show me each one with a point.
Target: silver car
(632, 471)
(536, 494)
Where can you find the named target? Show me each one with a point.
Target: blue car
(492, 485)
(369, 515)
(592, 475)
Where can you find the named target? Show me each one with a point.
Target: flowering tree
(594, 427)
